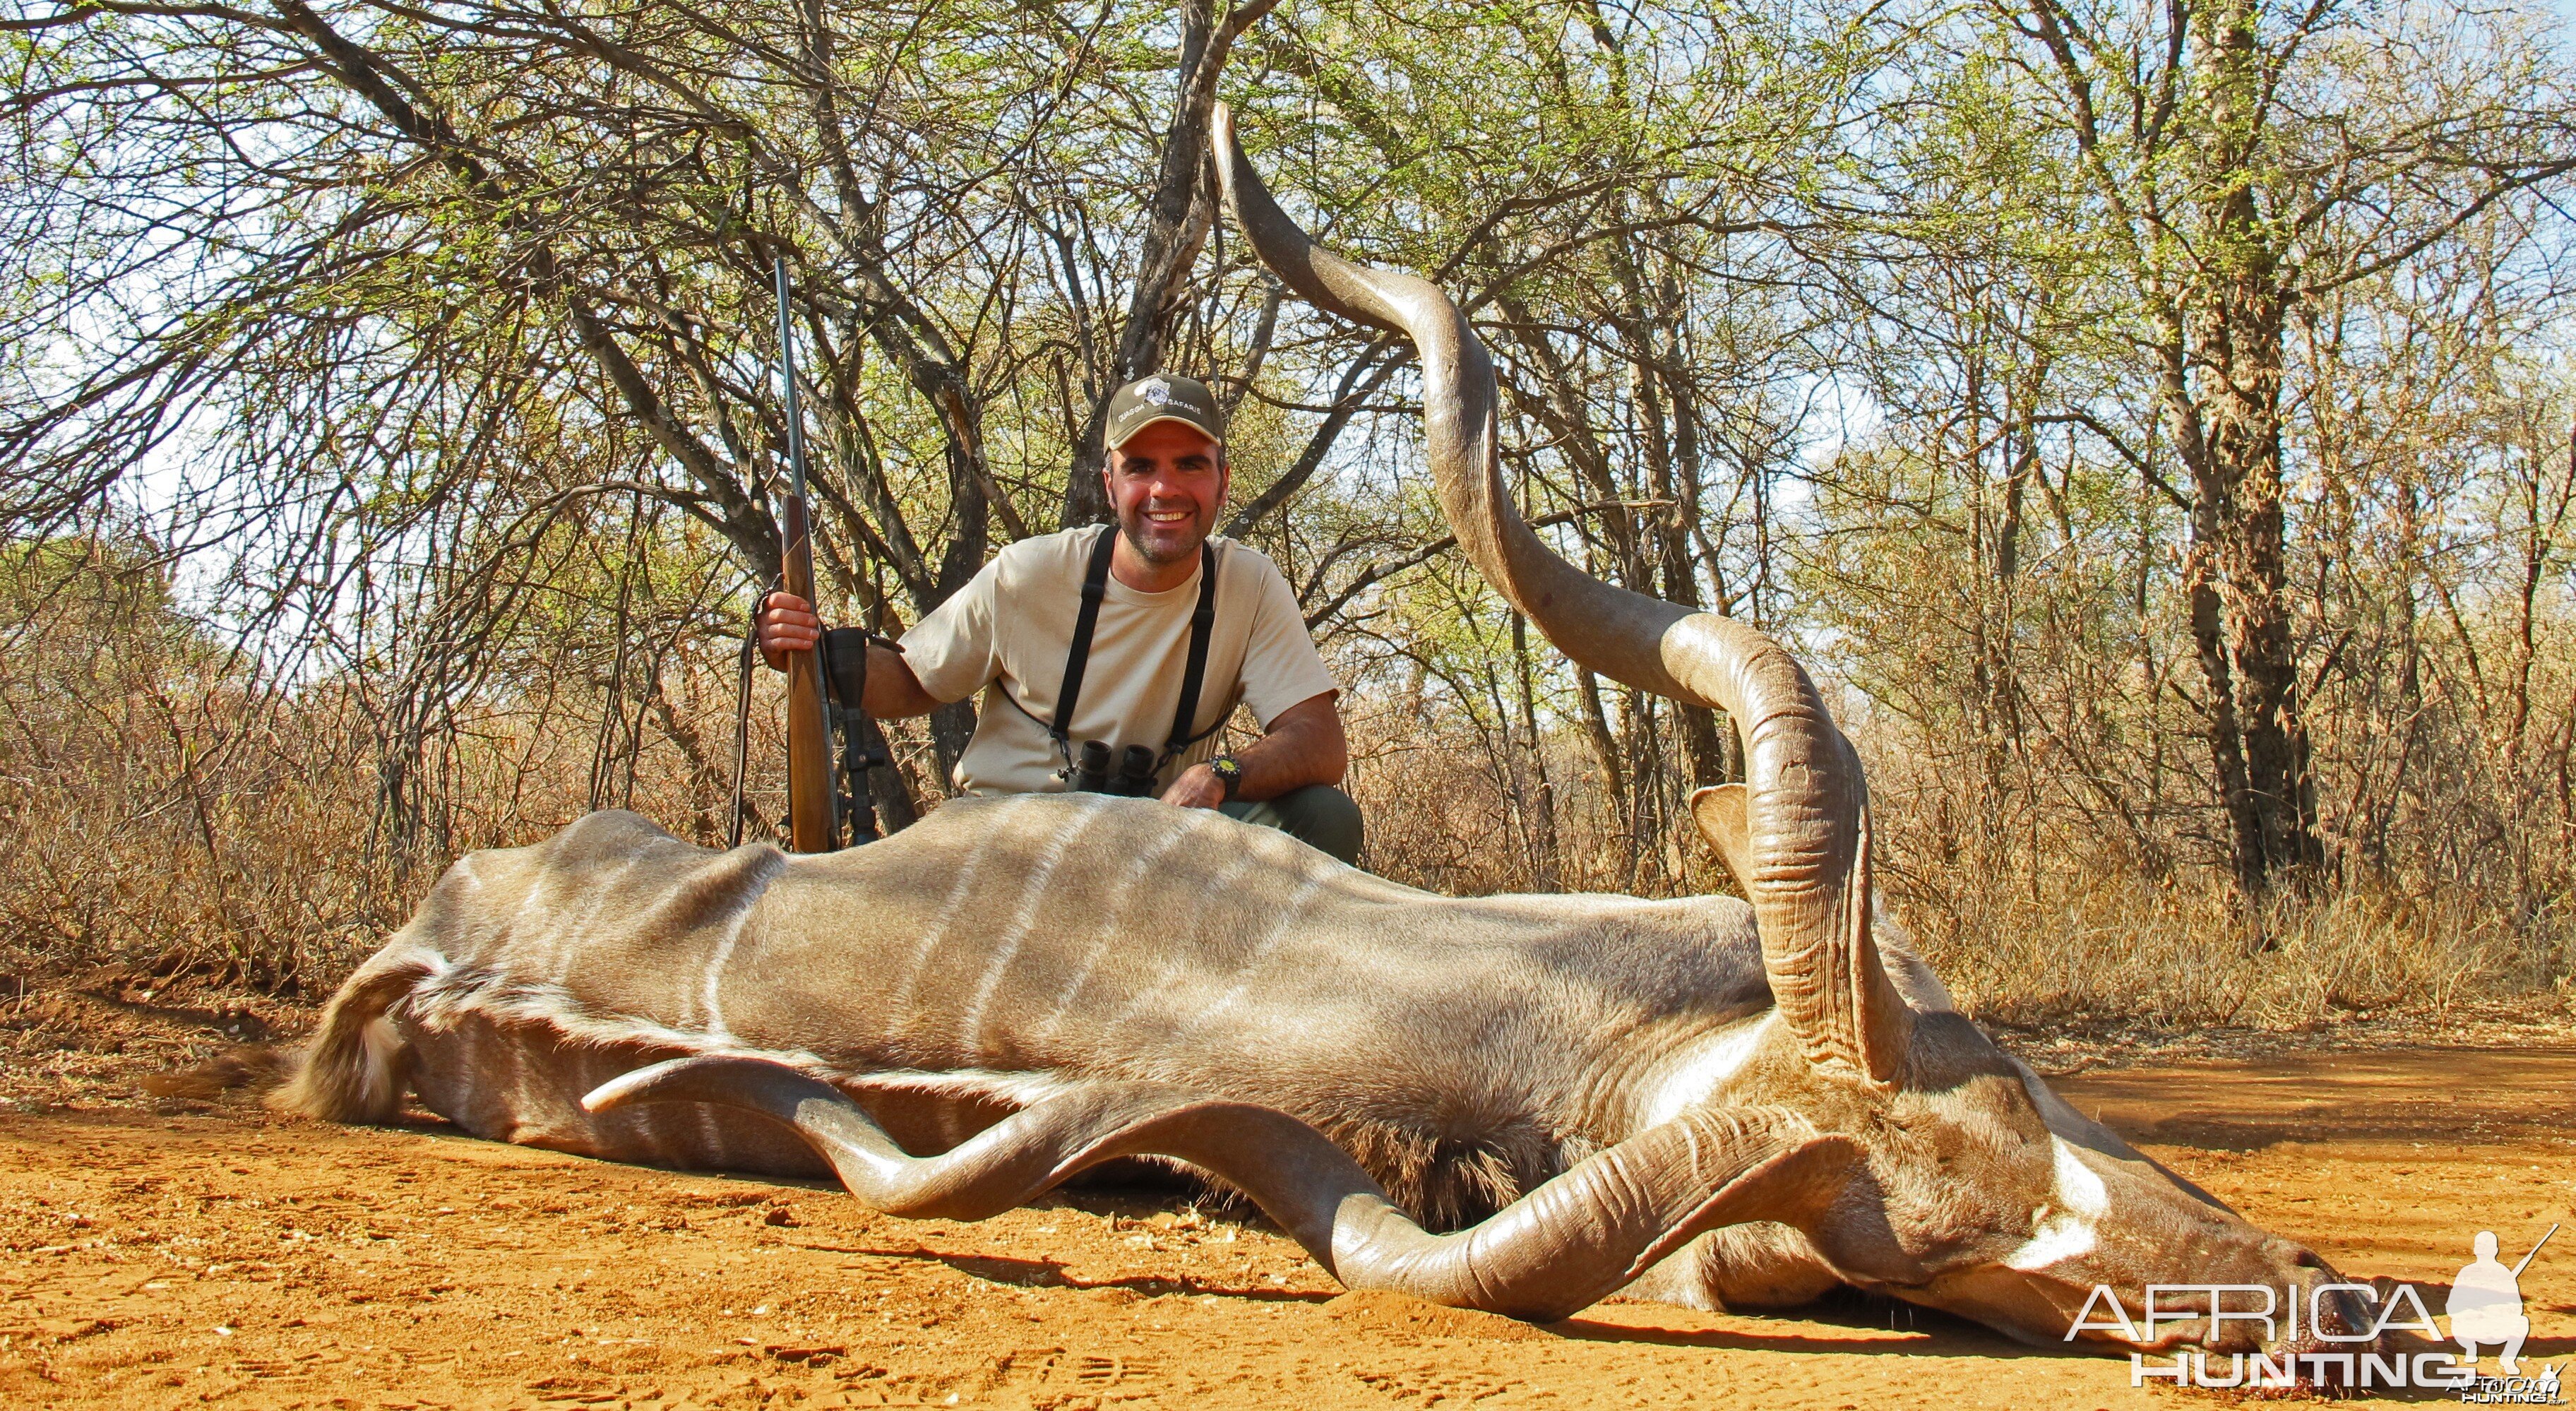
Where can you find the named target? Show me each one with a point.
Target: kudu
(1698, 1100)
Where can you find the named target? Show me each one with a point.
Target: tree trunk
(1539, 809)
(1621, 843)
(2227, 420)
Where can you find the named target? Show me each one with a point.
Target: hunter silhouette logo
(2486, 1303)
(2486, 1310)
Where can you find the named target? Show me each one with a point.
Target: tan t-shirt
(1008, 630)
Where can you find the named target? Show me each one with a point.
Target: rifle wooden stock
(812, 824)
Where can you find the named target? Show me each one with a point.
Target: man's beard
(1135, 530)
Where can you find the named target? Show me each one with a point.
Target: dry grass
(2052, 931)
(2188, 952)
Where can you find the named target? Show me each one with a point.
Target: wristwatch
(1229, 772)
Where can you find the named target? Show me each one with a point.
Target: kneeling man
(1148, 632)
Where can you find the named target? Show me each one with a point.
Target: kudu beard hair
(1702, 1100)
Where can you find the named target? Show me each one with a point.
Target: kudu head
(1972, 1188)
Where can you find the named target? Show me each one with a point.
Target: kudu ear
(1720, 814)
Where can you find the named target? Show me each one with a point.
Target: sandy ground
(189, 1249)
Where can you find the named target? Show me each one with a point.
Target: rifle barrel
(2535, 1249)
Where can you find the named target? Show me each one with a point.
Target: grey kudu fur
(1693, 1099)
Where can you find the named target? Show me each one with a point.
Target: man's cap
(1162, 397)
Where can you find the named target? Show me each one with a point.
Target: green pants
(1317, 815)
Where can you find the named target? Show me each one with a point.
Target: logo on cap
(1158, 392)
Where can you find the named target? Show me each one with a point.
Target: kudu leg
(1562, 1247)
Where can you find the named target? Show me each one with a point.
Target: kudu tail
(353, 1069)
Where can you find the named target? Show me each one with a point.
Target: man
(1012, 634)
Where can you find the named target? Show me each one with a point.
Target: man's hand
(1304, 745)
(787, 624)
(1198, 787)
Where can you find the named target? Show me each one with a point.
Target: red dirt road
(225, 1257)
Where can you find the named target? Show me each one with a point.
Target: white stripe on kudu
(711, 994)
(563, 939)
(970, 1025)
(1183, 960)
(906, 1002)
(1253, 960)
(1113, 923)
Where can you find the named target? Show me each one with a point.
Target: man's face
(1167, 485)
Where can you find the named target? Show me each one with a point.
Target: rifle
(826, 686)
(813, 815)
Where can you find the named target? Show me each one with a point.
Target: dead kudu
(1701, 1100)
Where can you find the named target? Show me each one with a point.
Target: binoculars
(1135, 771)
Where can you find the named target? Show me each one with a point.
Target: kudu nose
(2334, 1317)
(2337, 1313)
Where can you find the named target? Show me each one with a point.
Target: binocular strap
(1077, 656)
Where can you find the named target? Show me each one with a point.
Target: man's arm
(788, 624)
(1303, 746)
